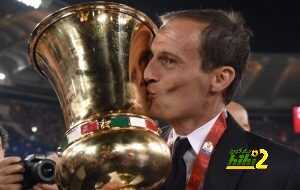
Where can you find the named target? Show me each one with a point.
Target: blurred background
(30, 111)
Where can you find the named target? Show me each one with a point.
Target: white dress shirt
(196, 139)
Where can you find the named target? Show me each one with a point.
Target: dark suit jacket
(283, 172)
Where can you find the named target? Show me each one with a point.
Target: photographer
(11, 169)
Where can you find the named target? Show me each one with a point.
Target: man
(198, 58)
(240, 115)
(11, 169)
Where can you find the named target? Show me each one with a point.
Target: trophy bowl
(94, 55)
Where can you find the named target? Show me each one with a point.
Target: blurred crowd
(276, 128)
(33, 127)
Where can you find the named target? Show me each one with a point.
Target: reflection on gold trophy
(94, 55)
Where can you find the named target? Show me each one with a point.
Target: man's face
(176, 85)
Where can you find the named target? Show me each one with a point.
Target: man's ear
(222, 78)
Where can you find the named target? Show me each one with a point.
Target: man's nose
(149, 73)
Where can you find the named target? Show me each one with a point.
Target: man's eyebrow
(171, 55)
(166, 53)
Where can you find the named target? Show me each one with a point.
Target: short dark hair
(224, 42)
(3, 137)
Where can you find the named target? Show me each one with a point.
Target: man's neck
(186, 126)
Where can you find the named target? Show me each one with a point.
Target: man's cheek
(175, 87)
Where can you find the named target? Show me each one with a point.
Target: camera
(38, 169)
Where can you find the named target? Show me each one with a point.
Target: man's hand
(11, 175)
(45, 187)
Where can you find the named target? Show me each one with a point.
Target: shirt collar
(197, 137)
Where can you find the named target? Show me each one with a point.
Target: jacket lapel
(217, 177)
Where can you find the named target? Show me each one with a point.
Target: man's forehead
(179, 32)
(183, 24)
(180, 28)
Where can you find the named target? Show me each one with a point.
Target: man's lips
(150, 93)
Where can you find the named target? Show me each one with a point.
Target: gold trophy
(94, 54)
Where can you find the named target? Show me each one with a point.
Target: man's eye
(167, 61)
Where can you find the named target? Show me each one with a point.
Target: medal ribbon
(201, 163)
